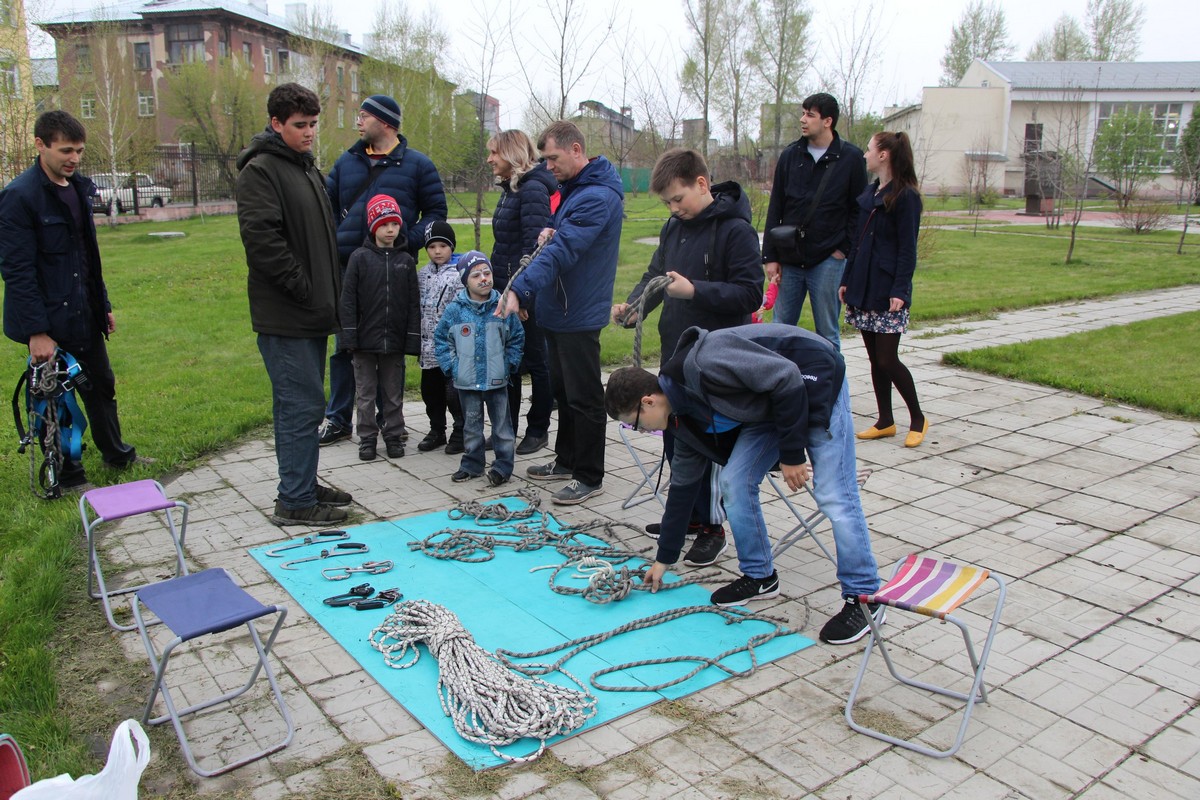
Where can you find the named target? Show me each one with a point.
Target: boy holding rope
(709, 260)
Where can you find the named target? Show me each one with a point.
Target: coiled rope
(482, 513)
(655, 285)
(487, 702)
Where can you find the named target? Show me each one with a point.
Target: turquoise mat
(504, 605)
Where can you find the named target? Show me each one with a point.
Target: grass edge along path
(1151, 364)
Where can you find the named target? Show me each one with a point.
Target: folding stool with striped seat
(934, 588)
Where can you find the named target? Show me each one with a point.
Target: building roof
(137, 10)
(1100, 75)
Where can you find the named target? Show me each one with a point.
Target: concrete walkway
(1092, 513)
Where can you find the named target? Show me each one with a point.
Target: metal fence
(192, 177)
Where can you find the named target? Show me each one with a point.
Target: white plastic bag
(127, 758)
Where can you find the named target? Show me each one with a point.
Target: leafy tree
(705, 22)
(982, 33)
(735, 79)
(781, 52)
(1187, 170)
(1066, 41)
(1115, 28)
(1128, 151)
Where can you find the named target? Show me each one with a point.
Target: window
(83, 58)
(222, 47)
(284, 58)
(141, 56)
(354, 81)
(341, 76)
(248, 54)
(87, 106)
(268, 60)
(185, 43)
(341, 116)
(145, 104)
(1033, 137)
(10, 79)
(1166, 123)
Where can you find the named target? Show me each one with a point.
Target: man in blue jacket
(572, 279)
(747, 398)
(380, 162)
(54, 293)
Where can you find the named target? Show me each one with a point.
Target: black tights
(886, 371)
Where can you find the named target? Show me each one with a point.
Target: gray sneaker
(315, 515)
(549, 472)
(575, 493)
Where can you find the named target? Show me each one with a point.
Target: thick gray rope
(578, 645)
(483, 512)
(487, 702)
(653, 286)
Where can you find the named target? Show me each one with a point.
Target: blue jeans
(341, 389)
(835, 487)
(820, 283)
(503, 441)
(296, 368)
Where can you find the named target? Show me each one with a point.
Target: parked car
(149, 194)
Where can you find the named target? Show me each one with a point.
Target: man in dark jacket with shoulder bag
(811, 216)
(294, 284)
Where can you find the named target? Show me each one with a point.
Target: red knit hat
(381, 209)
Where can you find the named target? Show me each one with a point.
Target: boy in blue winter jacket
(479, 351)
(380, 313)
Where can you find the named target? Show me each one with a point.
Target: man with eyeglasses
(380, 162)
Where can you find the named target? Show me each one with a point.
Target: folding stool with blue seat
(931, 587)
(196, 605)
(122, 501)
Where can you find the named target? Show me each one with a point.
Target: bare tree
(568, 44)
(705, 21)
(1115, 28)
(662, 107)
(735, 78)
(981, 32)
(855, 56)
(1065, 41)
(781, 54)
(485, 37)
(1187, 170)
(312, 52)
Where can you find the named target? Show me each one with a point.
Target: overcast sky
(911, 52)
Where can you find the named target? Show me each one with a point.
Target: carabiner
(369, 567)
(320, 536)
(345, 549)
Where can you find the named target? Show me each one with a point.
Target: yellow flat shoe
(876, 433)
(914, 438)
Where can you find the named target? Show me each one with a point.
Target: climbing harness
(487, 702)
(369, 567)
(55, 422)
(341, 550)
(730, 615)
(321, 537)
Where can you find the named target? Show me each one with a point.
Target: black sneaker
(454, 445)
(655, 528)
(332, 432)
(746, 589)
(315, 515)
(495, 478)
(333, 497)
(462, 475)
(432, 441)
(532, 443)
(366, 450)
(850, 624)
(395, 448)
(708, 547)
(549, 472)
(575, 493)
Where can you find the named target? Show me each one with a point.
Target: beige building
(1002, 116)
(16, 92)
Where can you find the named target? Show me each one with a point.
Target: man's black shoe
(850, 624)
(746, 589)
(532, 443)
(332, 432)
(708, 547)
(654, 528)
(432, 441)
(333, 497)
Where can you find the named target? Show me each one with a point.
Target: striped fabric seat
(925, 585)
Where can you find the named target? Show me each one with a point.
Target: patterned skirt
(878, 321)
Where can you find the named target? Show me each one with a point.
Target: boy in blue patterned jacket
(479, 351)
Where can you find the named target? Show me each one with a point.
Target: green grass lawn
(1152, 363)
(190, 381)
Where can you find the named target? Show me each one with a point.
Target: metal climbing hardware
(344, 549)
(55, 421)
(360, 592)
(369, 567)
(321, 537)
(384, 598)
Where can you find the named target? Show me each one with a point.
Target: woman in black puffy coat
(528, 193)
(877, 280)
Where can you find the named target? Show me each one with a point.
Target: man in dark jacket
(750, 397)
(54, 293)
(815, 195)
(294, 284)
(380, 162)
(572, 279)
